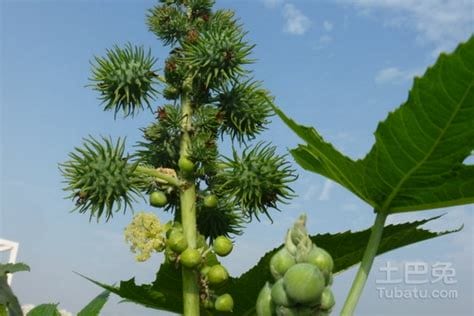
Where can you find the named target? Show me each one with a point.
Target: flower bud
(265, 305)
(280, 263)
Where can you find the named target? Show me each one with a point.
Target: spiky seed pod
(220, 19)
(101, 176)
(245, 109)
(257, 180)
(125, 79)
(199, 8)
(171, 93)
(162, 138)
(218, 55)
(168, 23)
(222, 220)
(174, 70)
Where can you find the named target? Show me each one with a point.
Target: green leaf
(95, 306)
(3, 310)
(417, 160)
(346, 248)
(13, 267)
(7, 298)
(44, 310)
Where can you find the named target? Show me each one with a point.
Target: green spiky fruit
(125, 79)
(158, 199)
(223, 220)
(185, 165)
(279, 296)
(218, 55)
(257, 180)
(177, 241)
(167, 23)
(327, 300)
(222, 246)
(101, 177)
(210, 201)
(224, 303)
(304, 283)
(281, 262)
(245, 109)
(190, 258)
(217, 275)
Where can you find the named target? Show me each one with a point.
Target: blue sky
(337, 65)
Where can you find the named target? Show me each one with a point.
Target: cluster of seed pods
(303, 276)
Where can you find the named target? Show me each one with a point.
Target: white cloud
(326, 191)
(311, 192)
(296, 22)
(325, 39)
(394, 75)
(273, 3)
(328, 26)
(441, 23)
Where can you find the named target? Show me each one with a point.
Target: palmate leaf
(417, 160)
(346, 248)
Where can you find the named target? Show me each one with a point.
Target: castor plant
(205, 92)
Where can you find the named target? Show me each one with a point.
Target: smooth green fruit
(208, 304)
(323, 260)
(224, 303)
(265, 306)
(304, 283)
(296, 311)
(327, 300)
(280, 263)
(279, 296)
(176, 241)
(210, 201)
(190, 258)
(205, 270)
(158, 199)
(217, 274)
(185, 165)
(222, 246)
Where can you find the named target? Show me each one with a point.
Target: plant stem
(159, 175)
(365, 266)
(188, 217)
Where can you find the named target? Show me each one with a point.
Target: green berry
(265, 306)
(217, 274)
(322, 259)
(224, 303)
(177, 241)
(304, 283)
(280, 263)
(205, 270)
(185, 165)
(222, 246)
(158, 199)
(210, 201)
(327, 299)
(190, 258)
(279, 296)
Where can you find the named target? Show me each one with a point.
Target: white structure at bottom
(12, 247)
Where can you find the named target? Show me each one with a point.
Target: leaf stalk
(365, 266)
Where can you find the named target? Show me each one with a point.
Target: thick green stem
(188, 217)
(159, 175)
(365, 266)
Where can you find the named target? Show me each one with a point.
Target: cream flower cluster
(146, 235)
